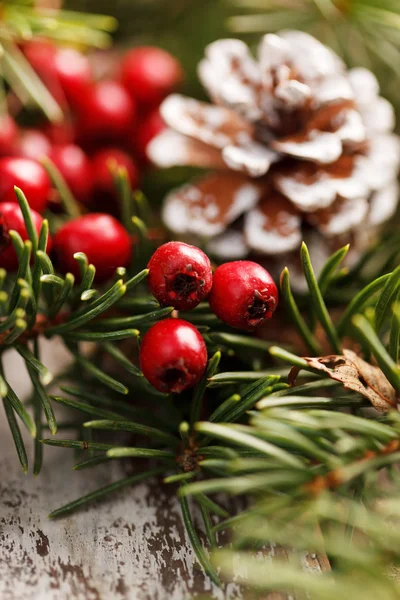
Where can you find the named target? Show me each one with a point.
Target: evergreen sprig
(304, 454)
(309, 456)
(39, 302)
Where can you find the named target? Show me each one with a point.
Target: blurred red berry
(106, 113)
(65, 71)
(102, 238)
(74, 74)
(41, 56)
(173, 356)
(76, 169)
(40, 53)
(28, 175)
(34, 144)
(150, 126)
(60, 133)
(243, 294)
(9, 135)
(11, 218)
(150, 74)
(101, 162)
(179, 275)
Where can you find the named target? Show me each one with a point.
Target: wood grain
(132, 546)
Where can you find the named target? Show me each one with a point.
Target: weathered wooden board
(129, 547)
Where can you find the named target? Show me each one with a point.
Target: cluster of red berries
(101, 237)
(173, 355)
(107, 122)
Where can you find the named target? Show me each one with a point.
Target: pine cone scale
(312, 142)
(207, 206)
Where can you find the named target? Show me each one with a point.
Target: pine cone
(300, 147)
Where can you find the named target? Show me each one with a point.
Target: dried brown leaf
(359, 376)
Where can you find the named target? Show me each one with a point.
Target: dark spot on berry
(174, 379)
(259, 309)
(184, 284)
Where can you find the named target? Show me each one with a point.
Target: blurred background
(363, 32)
(183, 27)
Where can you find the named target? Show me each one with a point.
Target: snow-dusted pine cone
(300, 148)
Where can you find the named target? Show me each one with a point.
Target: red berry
(102, 238)
(41, 55)
(34, 144)
(107, 112)
(28, 175)
(103, 181)
(65, 71)
(147, 129)
(173, 355)
(60, 133)
(11, 218)
(76, 169)
(179, 275)
(243, 294)
(74, 74)
(150, 74)
(8, 136)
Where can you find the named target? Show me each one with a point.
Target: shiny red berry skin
(11, 218)
(34, 144)
(151, 125)
(243, 294)
(76, 169)
(107, 112)
(8, 136)
(74, 74)
(150, 74)
(102, 238)
(179, 275)
(28, 175)
(103, 181)
(173, 356)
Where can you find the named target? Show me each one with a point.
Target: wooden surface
(130, 546)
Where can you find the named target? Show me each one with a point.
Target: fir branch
(196, 543)
(295, 315)
(104, 491)
(384, 360)
(318, 301)
(16, 433)
(140, 453)
(291, 452)
(87, 408)
(133, 427)
(330, 267)
(386, 299)
(201, 387)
